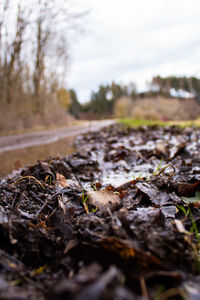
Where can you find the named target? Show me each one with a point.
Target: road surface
(21, 141)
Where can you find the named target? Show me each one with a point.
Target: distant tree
(50, 40)
(103, 100)
(11, 46)
(74, 107)
(187, 84)
(118, 91)
(63, 98)
(131, 90)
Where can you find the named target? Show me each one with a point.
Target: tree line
(103, 102)
(164, 85)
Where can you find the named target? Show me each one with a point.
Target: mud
(118, 219)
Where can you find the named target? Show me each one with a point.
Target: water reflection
(15, 159)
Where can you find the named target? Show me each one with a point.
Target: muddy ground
(118, 219)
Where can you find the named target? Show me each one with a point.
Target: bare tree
(15, 51)
(34, 51)
(52, 22)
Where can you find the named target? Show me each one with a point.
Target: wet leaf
(187, 189)
(120, 247)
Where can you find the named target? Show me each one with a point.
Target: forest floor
(117, 219)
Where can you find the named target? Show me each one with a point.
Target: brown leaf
(187, 189)
(161, 149)
(116, 245)
(127, 250)
(103, 198)
(61, 180)
(61, 204)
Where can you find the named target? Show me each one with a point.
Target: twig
(39, 200)
(42, 207)
(144, 288)
(164, 168)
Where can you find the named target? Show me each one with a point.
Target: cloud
(129, 39)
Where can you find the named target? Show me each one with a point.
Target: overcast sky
(131, 41)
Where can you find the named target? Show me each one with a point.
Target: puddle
(13, 160)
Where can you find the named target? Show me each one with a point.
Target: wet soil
(117, 219)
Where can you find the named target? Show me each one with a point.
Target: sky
(131, 41)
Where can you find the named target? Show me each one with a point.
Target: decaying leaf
(180, 226)
(103, 199)
(187, 189)
(120, 247)
(61, 204)
(61, 180)
(161, 149)
(127, 250)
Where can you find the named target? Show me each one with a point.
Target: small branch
(144, 288)
(164, 168)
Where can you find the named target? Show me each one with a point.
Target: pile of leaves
(90, 226)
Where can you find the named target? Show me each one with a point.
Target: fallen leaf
(61, 204)
(116, 245)
(61, 180)
(127, 250)
(161, 149)
(180, 226)
(187, 189)
(103, 198)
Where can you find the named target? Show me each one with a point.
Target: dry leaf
(61, 204)
(61, 180)
(103, 198)
(179, 226)
(161, 149)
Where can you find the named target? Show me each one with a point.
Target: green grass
(85, 205)
(192, 231)
(139, 122)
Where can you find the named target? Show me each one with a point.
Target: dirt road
(20, 141)
(21, 149)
